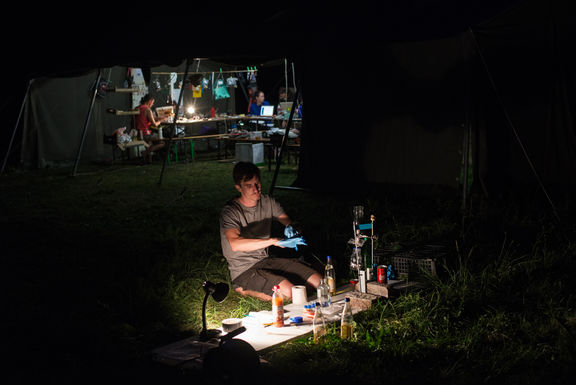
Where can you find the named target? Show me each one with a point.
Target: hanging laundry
(232, 81)
(252, 84)
(205, 83)
(197, 91)
(220, 91)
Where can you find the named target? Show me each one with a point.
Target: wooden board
(121, 112)
(123, 90)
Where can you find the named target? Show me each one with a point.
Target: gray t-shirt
(254, 223)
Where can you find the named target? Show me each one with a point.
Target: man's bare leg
(314, 280)
(255, 294)
(285, 290)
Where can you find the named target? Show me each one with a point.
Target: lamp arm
(204, 328)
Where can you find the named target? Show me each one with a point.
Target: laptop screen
(267, 111)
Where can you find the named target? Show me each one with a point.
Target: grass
(512, 321)
(103, 267)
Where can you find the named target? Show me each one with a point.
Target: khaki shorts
(271, 271)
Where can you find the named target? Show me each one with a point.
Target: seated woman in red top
(144, 121)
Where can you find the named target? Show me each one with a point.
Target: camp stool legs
(192, 145)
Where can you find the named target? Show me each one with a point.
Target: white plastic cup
(231, 324)
(299, 295)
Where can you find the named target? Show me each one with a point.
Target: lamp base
(206, 335)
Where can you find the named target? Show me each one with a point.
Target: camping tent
(408, 108)
(396, 96)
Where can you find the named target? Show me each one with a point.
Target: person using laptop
(259, 101)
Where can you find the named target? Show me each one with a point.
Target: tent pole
(87, 121)
(16, 126)
(467, 137)
(511, 124)
(286, 76)
(293, 76)
(284, 140)
(173, 130)
(466, 151)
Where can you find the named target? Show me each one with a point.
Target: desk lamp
(219, 292)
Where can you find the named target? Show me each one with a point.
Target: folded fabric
(292, 242)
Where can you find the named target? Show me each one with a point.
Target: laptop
(267, 111)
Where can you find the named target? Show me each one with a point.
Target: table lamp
(219, 292)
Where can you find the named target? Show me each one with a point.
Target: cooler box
(250, 152)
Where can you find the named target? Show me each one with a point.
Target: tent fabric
(55, 115)
(402, 124)
(527, 53)
(405, 121)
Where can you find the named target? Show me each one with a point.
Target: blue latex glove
(289, 232)
(292, 242)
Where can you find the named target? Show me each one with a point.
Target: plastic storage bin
(250, 152)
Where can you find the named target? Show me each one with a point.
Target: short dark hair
(245, 171)
(145, 99)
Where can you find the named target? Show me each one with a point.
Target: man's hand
(292, 242)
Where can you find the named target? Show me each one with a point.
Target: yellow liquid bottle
(346, 331)
(347, 322)
(318, 324)
(330, 276)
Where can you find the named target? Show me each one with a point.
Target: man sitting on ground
(245, 228)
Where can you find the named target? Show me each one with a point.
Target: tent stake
(16, 126)
(173, 130)
(284, 139)
(87, 122)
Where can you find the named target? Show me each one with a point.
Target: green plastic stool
(192, 145)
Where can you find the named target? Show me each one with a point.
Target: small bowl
(231, 324)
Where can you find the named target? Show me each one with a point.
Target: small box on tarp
(250, 152)
(362, 301)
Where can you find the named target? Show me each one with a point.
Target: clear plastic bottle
(318, 324)
(347, 321)
(277, 307)
(330, 276)
(323, 293)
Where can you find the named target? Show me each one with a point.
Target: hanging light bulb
(190, 110)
